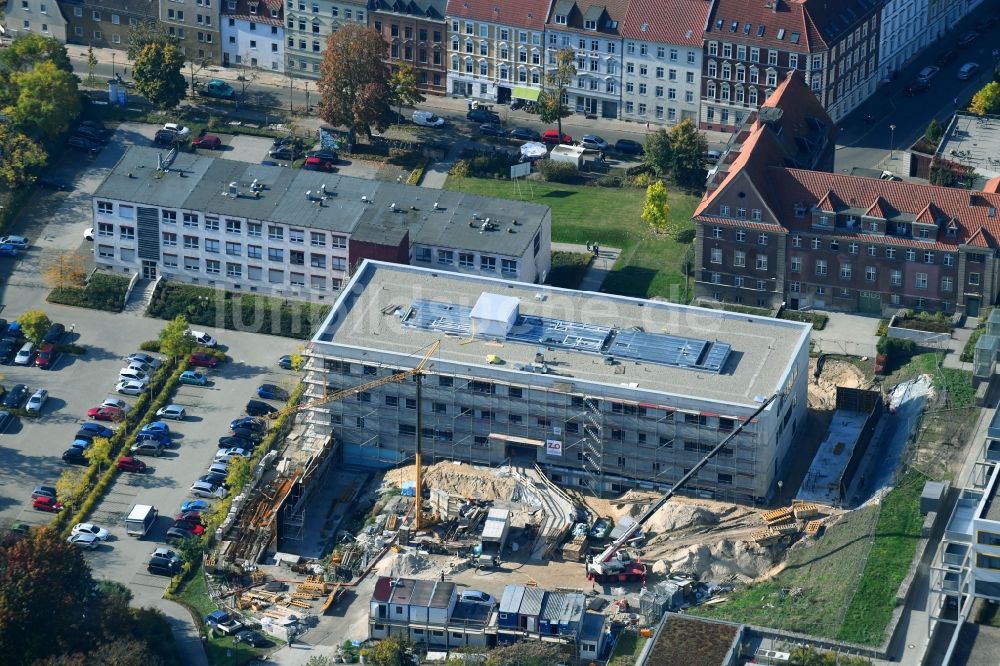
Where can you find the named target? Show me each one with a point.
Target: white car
(219, 468)
(175, 412)
(203, 338)
(478, 597)
(24, 354)
(141, 357)
(88, 234)
(20, 242)
(140, 366)
(36, 401)
(207, 490)
(90, 528)
(112, 401)
(130, 387)
(225, 455)
(135, 375)
(427, 119)
(178, 128)
(85, 541)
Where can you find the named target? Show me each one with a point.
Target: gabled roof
(928, 215)
(830, 203)
(429, 9)
(679, 22)
(880, 210)
(263, 15)
(790, 25)
(530, 14)
(607, 13)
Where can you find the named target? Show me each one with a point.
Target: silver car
(175, 412)
(36, 401)
(25, 354)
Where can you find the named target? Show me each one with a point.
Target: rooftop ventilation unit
(435, 205)
(364, 199)
(234, 189)
(322, 188)
(255, 185)
(392, 206)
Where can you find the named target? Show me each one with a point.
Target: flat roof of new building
(654, 346)
(340, 204)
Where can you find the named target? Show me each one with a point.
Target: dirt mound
(823, 392)
(407, 564)
(458, 479)
(723, 560)
(672, 517)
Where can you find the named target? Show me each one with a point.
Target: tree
(157, 75)
(248, 73)
(934, 131)
(34, 324)
(174, 339)
(46, 98)
(550, 101)
(687, 154)
(387, 652)
(987, 100)
(145, 33)
(354, 80)
(64, 269)
(91, 63)
(19, 157)
(100, 451)
(656, 210)
(403, 86)
(30, 50)
(657, 155)
(71, 485)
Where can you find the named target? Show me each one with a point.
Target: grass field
(650, 264)
(627, 649)
(827, 589)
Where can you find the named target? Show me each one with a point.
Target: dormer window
(873, 227)
(560, 19)
(253, 7)
(902, 229)
(952, 231)
(590, 24)
(232, 5)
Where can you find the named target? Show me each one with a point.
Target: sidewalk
(599, 267)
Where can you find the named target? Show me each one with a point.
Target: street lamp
(112, 64)
(892, 140)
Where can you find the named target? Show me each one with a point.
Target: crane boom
(630, 532)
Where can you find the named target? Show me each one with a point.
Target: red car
(196, 529)
(105, 413)
(131, 464)
(209, 141)
(46, 355)
(47, 504)
(316, 164)
(193, 517)
(203, 360)
(552, 137)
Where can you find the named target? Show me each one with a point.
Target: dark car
(525, 134)
(55, 334)
(131, 464)
(491, 129)
(16, 396)
(208, 142)
(252, 638)
(629, 147)
(93, 124)
(177, 533)
(75, 456)
(7, 350)
(483, 116)
(271, 392)
(5, 419)
(153, 436)
(83, 145)
(47, 355)
(285, 152)
(203, 360)
(248, 434)
(91, 134)
(53, 183)
(287, 141)
(96, 429)
(214, 478)
(916, 87)
(233, 442)
(324, 154)
(254, 407)
(968, 38)
(285, 362)
(946, 57)
(248, 423)
(167, 138)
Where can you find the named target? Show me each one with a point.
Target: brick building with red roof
(415, 33)
(772, 229)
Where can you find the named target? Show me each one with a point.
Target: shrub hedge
(104, 291)
(817, 319)
(558, 172)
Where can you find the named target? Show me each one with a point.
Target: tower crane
(417, 372)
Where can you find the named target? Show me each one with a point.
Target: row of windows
(918, 303)
(503, 34)
(909, 254)
(895, 276)
(467, 260)
(661, 52)
(315, 24)
(670, 75)
(484, 69)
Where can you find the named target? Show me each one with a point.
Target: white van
(427, 119)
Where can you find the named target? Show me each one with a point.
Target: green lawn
(958, 383)
(627, 649)
(650, 264)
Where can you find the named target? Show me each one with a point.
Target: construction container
(576, 550)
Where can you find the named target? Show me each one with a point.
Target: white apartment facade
(307, 25)
(904, 34)
(34, 17)
(253, 34)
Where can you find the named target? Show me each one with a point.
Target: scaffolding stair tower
(593, 446)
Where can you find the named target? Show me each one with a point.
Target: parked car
(175, 412)
(316, 164)
(43, 491)
(324, 154)
(92, 529)
(134, 375)
(164, 561)
(88, 234)
(37, 401)
(232, 442)
(53, 183)
(427, 119)
(131, 464)
(208, 490)
(551, 137)
(203, 360)
(8, 250)
(167, 138)
(130, 387)
(967, 39)
(223, 622)
(149, 447)
(177, 533)
(203, 338)
(16, 396)
(7, 350)
(97, 429)
(75, 456)
(140, 366)
(156, 426)
(489, 129)
(946, 57)
(968, 70)
(47, 504)
(525, 134)
(177, 129)
(254, 436)
(153, 436)
(192, 377)
(916, 87)
(285, 362)
(272, 392)
(208, 142)
(928, 73)
(195, 505)
(151, 361)
(248, 423)
(593, 142)
(478, 597)
(20, 242)
(483, 116)
(91, 135)
(288, 153)
(226, 454)
(258, 408)
(85, 541)
(25, 354)
(47, 355)
(251, 638)
(83, 145)
(5, 419)
(113, 401)
(105, 413)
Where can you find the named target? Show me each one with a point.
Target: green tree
(145, 33)
(550, 102)
(655, 209)
(174, 339)
(190, 548)
(47, 98)
(34, 324)
(657, 155)
(404, 88)
(91, 63)
(157, 75)
(29, 50)
(987, 100)
(71, 485)
(19, 157)
(934, 131)
(100, 451)
(388, 652)
(687, 154)
(354, 82)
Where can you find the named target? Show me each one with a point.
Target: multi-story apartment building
(904, 33)
(942, 15)
(253, 34)
(587, 385)
(195, 24)
(308, 23)
(767, 233)
(105, 23)
(298, 233)
(750, 45)
(663, 54)
(594, 34)
(39, 17)
(415, 33)
(495, 52)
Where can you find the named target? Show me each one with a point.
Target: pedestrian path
(600, 266)
(185, 631)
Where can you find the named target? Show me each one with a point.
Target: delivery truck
(140, 519)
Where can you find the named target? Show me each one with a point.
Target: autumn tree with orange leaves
(354, 82)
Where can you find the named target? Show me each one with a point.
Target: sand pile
(823, 393)
(721, 561)
(458, 479)
(407, 564)
(672, 517)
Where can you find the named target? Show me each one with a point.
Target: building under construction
(604, 392)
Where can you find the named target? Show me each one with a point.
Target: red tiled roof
(829, 202)
(879, 209)
(803, 120)
(263, 15)
(927, 215)
(992, 185)
(529, 14)
(819, 23)
(668, 21)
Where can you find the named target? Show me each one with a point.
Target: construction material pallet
(779, 515)
(804, 510)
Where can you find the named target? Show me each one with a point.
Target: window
(716, 255)
(796, 264)
(739, 259)
(234, 249)
(947, 284)
(896, 277)
(845, 271)
(192, 264)
(488, 263)
(762, 262)
(870, 273)
(169, 239)
(338, 242)
(213, 266)
(821, 267)
(191, 243)
(234, 227)
(211, 223)
(276, 254)
(234, 270)
(921, 280)
(254, 251)
(741, 235)
(275, 232)
(445, 257)
(973, 279)
(949, 260)
(508, 266)
(762, 239)
(254, 229)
